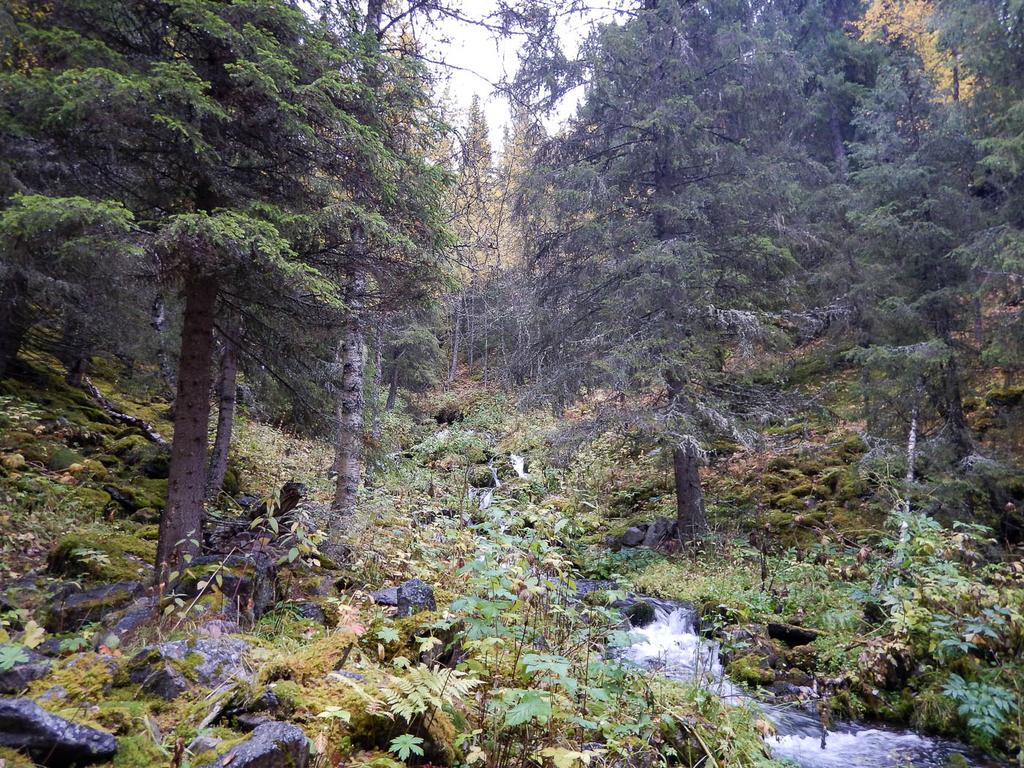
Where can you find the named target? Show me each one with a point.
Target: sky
(476, 62)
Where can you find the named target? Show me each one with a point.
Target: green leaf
(11, 655)
(406, 745)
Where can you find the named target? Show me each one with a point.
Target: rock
(633, 537)
(203, 743)
(310, 611)
(586, 587)
(250, 721)
(50, 647)
(14, 461)
(271, 745)
(167, 669)
(51, 740)
(656, 532)
(640, 614)
(218, 628)
(415, 596)
(386, 596)
(166, 682)
(137, 614)
(70, 610)
(17, 678)
(792, 635)
(146, 516)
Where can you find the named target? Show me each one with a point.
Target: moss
(786, 501)
(11, 758)
(103, 556)
(150, 492)
(148, 532)
(1005, 396)
(62, 458)
(746, 669)
(132, 448)
(85, 677)
(91, 499)
(313, 662)
(138, 751)
(934, 712)
(802, 489)
(232, 485)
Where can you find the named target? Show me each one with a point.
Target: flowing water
(518, 464)
(672, 646)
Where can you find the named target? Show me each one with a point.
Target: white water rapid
(672, 646)
(518, 464)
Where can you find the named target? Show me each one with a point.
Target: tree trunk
(227, 395)
(838, 147)
(692, 523)
(378, 379)
(912, 445)
(159, 324)
(349, 397)
(453, 369)
(956, 420)
(73, 352)
(186, 485)
(392, 388)
(15, 318)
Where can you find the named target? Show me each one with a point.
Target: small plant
(12, 655)
(406, 745)
(986, 707)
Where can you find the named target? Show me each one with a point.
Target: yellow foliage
(911, 23)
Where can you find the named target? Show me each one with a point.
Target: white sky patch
(477, 62)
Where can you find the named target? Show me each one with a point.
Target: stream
(672, 646)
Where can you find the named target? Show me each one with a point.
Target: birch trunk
(349, 397)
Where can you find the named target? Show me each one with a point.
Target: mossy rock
(852, 447)
(1005, 396)
(85, 677)
(787, 501)
(640, 614)
(91, 499)
(107, 556)
(150, 492)
(62, 458)
(748, 669)
(802, 489)
(232, 484)
(132, 449)
(148, 532)
(781, 462)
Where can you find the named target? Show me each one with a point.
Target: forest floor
(493, 657)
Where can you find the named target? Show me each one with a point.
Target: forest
(657, 401)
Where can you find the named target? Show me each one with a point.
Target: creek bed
(671, 645)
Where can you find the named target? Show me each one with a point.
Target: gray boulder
(657, 531)
(159, 669)
(415, 596)
(271, 745)
(126, 622)
(32, 667)
(71, 609)
(387, 596)
(51, 740)
(633, 537)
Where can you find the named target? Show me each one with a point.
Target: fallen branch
(116, 413)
